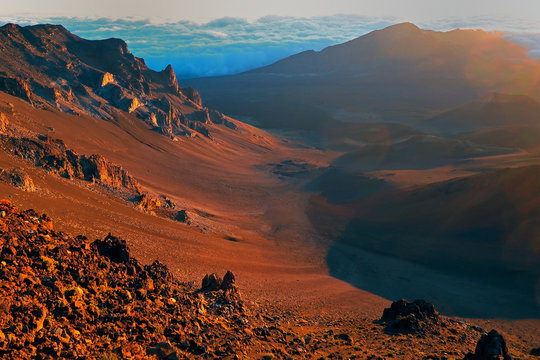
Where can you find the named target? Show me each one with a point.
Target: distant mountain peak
(404, 26)
(9, 26)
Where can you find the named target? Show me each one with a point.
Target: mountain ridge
(397, 74)
(50, 67)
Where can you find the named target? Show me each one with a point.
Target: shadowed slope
(494, 110)
(401, 73)
(481, 228)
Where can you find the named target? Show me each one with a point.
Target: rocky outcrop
(222, 291)
(409, 317)
(491, 346)
(49, 67)
(107, 78)
(16, 87)
(65, 297)
(192, 95)
(171, 81)
(3, 123)
(148, 203)
(55, 157)
(17, 178)
(113, 248)
(212, 282)
(182, 216)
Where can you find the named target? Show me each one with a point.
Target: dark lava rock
(211, 282)
(491, 346)
(163, 350)
(535, 351)
(17, 178)
(345, 337)
(409, 317)
(54, 156)
(159, 272)
(181, 216)
(223, 293)
(113, 248)
(228, 282)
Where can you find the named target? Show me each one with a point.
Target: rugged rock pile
(54, 156)
(409, 317)
(17, 178)
(51, 68)
(67, 297)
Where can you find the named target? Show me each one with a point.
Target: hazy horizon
(212, 37)
(231, 45)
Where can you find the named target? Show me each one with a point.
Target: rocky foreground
(65, 296)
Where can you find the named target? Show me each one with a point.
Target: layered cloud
(232, 45)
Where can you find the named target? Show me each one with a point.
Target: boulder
(113, 248)
(409, 317)
(192, 95)
(491, 346)
(17, 178)
(211, 282)
(228, 282)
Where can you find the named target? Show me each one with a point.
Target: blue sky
(199, 42)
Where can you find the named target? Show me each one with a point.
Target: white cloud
(216, 34)
(112, 28)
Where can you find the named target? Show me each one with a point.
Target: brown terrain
(103, 144)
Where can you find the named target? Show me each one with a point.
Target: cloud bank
(231, 45)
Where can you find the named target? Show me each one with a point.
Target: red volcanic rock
(17, 178)
(3, 123)
(53, 156)
(63, 297)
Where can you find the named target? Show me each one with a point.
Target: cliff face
(49, 67)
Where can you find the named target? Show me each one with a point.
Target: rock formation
(55, 157)
(17, 178)
(3, 123)
(409, 317)
(491, 346)
(49, 67)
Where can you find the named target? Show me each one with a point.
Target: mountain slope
(49, 67)
(494, 110)
(483, 227)
(401, 73)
